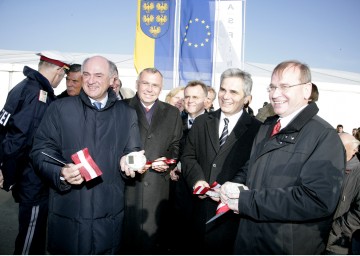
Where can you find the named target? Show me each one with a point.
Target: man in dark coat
(87, 217)
(147, 213)
(346, 218)
(24, 108)
(293, 176)
(205, 160)
(195, 96)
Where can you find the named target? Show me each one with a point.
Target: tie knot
(226, 121)
(147, 109)
(191, 121)
(276, 128)
(97, 104)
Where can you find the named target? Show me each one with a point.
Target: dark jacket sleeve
(47, 140)
(20, 129)
(174, 147)
(316, 193)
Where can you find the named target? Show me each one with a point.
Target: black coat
(147, 196)
(204, 160)
(23, 111)
(88, 218)
(346, 218)
(294, 181)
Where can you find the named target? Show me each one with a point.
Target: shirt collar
(103, 101)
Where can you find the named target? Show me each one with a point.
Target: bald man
(346, 218)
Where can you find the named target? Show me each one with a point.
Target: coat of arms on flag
(154, 17)
(89, 170)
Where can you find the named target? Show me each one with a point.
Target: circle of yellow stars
(205, 40)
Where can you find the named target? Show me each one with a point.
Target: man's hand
(71, 174)
(202, 183)
(159, 165)
(174, 174)
(129, 171)
(1, 180)
(230, 193)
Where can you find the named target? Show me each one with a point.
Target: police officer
(24, 108)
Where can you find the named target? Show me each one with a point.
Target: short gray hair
(245, 76)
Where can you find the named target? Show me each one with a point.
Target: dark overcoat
(294, 181)
(147, 196)
(203, 159)
(87, 218)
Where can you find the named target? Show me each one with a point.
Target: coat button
(146, 183)
(214, 165)
(149, 137)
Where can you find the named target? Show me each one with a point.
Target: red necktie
(276, 128)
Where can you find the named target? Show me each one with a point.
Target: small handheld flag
(89, 170)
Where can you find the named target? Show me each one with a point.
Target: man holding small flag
(86, 208)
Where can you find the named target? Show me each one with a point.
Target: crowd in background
(212, 181)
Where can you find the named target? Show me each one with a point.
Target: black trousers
(31, 238)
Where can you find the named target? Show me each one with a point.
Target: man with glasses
(19, 119)
(291, 184)
(147, 212)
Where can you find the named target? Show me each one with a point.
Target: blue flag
(196, 40)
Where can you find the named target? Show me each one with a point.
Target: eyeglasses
(282, 87)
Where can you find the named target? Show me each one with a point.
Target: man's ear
(307, 91)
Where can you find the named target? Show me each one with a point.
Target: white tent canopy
(339, 91)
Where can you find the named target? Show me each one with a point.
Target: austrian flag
(89, 170)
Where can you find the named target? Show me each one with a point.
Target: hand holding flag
(89, 170)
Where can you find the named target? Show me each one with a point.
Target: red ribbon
(166, 161)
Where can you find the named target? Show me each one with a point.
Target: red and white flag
(89, 170)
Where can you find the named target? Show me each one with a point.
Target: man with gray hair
(86, 215)
(287, 193)
(216, 138)
(346, 218)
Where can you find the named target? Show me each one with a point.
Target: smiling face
(149, 86)
(231, 96)
(194, 100)
(96, 77)
(286, 102)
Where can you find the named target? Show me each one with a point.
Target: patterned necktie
(224, 134)
(276, 128)
(97, 104)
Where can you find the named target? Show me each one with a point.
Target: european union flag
(196, 40)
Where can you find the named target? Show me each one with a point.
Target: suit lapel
(212, 126)
(238, 131)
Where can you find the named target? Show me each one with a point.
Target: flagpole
(243, 36)
(176, 43)
(215, 46)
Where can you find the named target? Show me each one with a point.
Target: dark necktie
(191, 121)
(276, 128)
(97, 104)
(224, 133)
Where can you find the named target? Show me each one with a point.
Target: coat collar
(212, 126)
